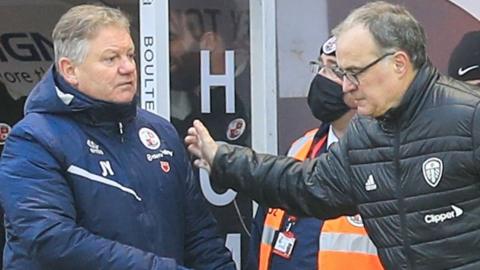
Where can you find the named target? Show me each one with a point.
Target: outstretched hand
(201, 145)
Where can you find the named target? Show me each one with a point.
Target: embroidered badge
(165, 166)
(5, 130)
(94, 148)
(149, 138)
(432, 171)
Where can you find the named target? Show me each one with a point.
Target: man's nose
(127, 65)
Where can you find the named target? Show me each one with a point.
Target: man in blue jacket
(90, 181)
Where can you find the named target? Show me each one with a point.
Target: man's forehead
(112, 38)
(354, 46)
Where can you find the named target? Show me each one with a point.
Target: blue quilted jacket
(87, 184)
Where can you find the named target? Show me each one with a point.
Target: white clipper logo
(432, 171)
(439, 218)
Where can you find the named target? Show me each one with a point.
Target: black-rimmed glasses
(317, 66)
(353, 76)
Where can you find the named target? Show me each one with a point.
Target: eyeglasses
(352, 77)
(317, 66)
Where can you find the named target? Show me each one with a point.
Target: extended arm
(319, 188)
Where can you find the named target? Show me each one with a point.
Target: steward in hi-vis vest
(291, 242)
(342, 243)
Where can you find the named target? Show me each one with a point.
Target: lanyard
(316, 148)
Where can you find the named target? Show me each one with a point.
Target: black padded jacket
(412, 174)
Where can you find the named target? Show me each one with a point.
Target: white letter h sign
(208, 80)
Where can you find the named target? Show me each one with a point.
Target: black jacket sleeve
(319, 187)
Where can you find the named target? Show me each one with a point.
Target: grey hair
(78, 25)
(392, 28)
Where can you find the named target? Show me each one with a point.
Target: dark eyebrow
(352, 69)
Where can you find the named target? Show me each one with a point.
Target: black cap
(464, 62)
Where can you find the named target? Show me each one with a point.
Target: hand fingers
(194, 150)
(192, 131)
(201, 130)
(189, 139)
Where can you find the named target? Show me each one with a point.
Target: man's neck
(340, 125)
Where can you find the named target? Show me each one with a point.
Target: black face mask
(325, 99)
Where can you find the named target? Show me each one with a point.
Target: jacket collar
(96, 111)
(412, 100)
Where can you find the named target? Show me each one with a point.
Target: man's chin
(365, 111)
(124, 97)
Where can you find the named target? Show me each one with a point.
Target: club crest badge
(329, 46)
(165, 166)
(355, 220)
(149, 138)
(432, 171)
(4, 131)
(235, 129)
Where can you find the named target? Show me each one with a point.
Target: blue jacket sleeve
(205, 249)
(41, 215)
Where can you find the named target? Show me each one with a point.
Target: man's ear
(401, 63)
(67, 69)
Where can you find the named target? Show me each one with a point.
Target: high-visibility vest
(343, 242)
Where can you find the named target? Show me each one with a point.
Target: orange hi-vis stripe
(342, 244)
(301, 147)
(273, 222)
(274, 218)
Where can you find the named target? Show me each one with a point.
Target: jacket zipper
(401, 200)
(120, 130)
(141, 205)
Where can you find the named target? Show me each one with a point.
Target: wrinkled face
(109, 72)
(378, 89)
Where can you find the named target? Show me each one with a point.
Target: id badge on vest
(285, 241)
(284, 244)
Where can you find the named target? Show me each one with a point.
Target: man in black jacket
(408, 163)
